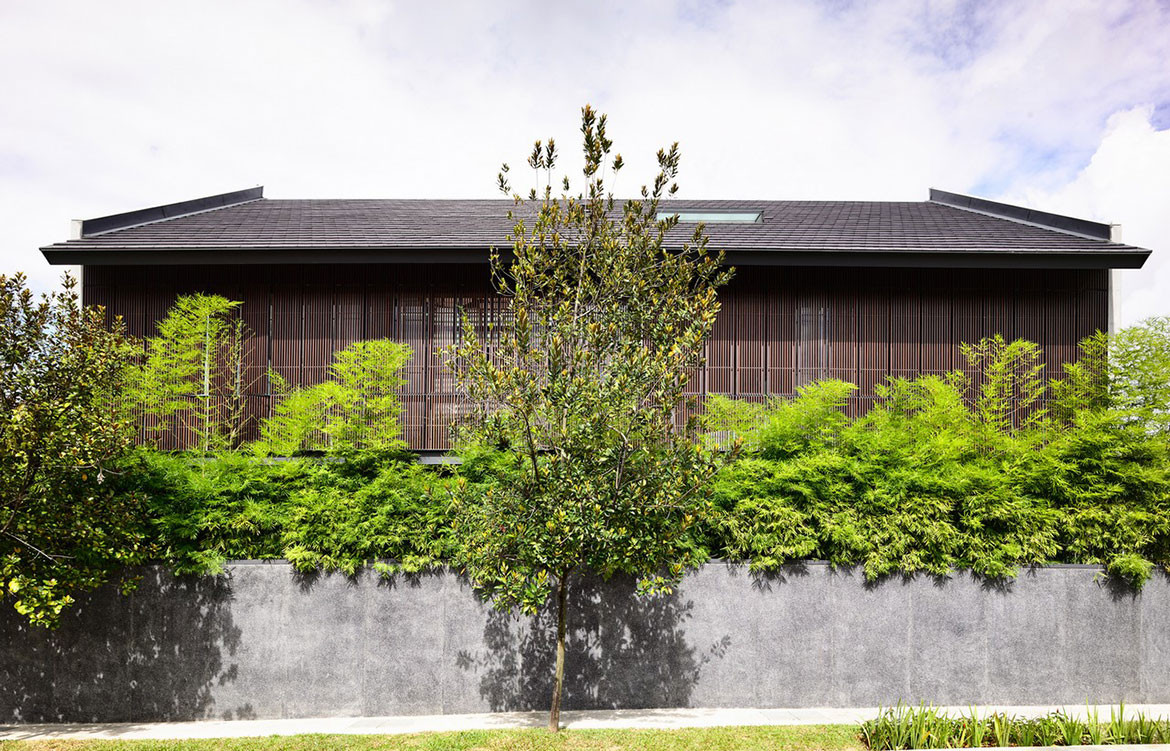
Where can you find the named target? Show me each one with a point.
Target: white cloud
(1127, 181)
(126, 103)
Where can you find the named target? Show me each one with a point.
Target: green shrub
(63, 429)
(944, 473)
(950, 472)
(208, 510)
(356, 513)
(318, 513)
(909, 487)
(1108, 478)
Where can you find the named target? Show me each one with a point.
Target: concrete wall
(264, 642)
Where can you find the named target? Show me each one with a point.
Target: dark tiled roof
(325, 226)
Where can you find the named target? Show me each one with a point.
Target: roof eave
(1114, 258)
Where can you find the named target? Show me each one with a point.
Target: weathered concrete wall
(264, 642)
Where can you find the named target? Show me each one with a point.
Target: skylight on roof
(710, 217)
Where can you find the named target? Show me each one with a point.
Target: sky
(1061, 105)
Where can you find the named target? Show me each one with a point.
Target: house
(842, 289)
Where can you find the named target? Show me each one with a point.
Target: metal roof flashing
(1058, 222)
(83, 228)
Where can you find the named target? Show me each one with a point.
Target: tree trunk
(554, 715)
(206, 384)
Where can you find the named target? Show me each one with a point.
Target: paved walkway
(626, 718)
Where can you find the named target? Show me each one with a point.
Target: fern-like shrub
(356, 408)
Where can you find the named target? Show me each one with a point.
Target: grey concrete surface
(661, 719)
(262, 642)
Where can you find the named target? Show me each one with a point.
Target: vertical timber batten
(860, 325)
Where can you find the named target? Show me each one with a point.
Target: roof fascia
(1108, 259)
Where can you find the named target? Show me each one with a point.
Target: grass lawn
(787, 738)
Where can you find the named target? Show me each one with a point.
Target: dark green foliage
(365, 503)
(206, 510)
(939, 476)
(578, 386)
(964, 471)
(63, 427)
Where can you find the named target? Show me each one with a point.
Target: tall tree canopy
(574, 393)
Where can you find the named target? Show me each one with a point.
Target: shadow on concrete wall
(622, 651)
(152, 655)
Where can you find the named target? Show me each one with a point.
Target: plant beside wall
(986, 469)
(971, 470)
(572, 460)
(377, 509)
(341, 494)
(1105, 463)
(573, 399)
(63, 526)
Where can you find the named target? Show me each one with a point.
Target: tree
(195, 375)
(358, 407)
(63, 426)
(574, 392)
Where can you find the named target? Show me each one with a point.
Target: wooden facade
(780, 327)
